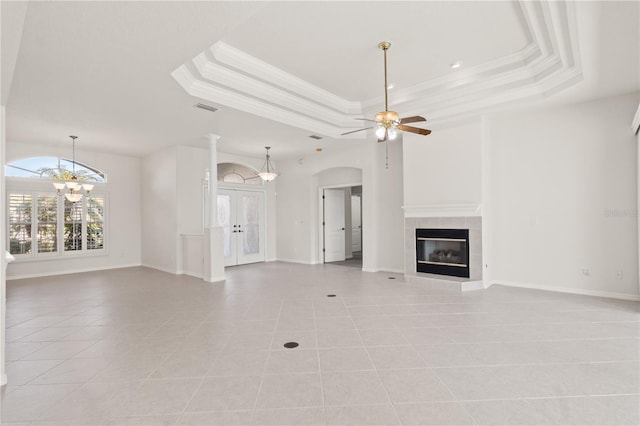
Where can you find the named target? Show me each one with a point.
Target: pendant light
(75, 188)
(268, 172)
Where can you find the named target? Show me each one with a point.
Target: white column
(213, 180)
(635, 125)
(213, 236)
(3, 260)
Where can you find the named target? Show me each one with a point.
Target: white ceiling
(103, 70)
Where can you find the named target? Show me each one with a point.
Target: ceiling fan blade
(354, 131)
(366, 119)
(413, 119)
(414, 130)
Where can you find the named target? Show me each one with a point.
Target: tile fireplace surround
(473, 224)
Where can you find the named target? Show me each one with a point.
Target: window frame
(43, 187)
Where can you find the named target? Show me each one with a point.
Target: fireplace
(443, 251)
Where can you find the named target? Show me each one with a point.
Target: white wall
(564, 198)
(635, 127)
(388, 201)
(382, 219)
(444, 167)
(172, 203)
(160, 238)
(295, 200)
(123, 229)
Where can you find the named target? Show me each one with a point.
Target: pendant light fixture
(76, 189)
(268, 172)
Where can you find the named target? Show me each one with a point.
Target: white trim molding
(78, 271)
(585, 292)
(444, 210)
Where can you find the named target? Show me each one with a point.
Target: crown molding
(548, 64)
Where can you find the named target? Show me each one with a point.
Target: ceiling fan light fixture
(388, 123)
(388, 117)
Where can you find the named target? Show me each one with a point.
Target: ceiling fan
(388, 122)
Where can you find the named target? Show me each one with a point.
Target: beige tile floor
(141, 347)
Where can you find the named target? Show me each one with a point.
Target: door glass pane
(72, 225)
(250, 223)
(224, 220)
(47, 223)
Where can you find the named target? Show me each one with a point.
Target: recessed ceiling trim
(550, 63)
(222, 76)
(204, 90)
(240, 60)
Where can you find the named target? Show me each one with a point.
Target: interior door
(241, 216)
(356, 223)
(334, 232)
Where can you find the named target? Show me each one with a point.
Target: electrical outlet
(618, 274)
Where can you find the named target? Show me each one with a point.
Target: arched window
(237, 173)
(53, 168)
(42, 223)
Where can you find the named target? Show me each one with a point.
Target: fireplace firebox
(443, 251)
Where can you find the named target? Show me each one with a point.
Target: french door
(241, 216)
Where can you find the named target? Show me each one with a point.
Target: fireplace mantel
(444, 210)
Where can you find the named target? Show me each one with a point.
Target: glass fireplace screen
(443, 251)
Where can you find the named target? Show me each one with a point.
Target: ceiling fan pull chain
(386, 147)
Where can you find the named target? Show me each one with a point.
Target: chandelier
(268, 172)
(75, 189)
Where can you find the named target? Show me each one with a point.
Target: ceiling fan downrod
(385, 45)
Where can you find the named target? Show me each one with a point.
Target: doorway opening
(342, 226)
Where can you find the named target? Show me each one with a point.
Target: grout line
(324, 410)
(264, 367)
(375, 368)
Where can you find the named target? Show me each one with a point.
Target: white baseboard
(161, 268)
(584, 292)
(3, 380)
(302, 262)
(193, 274)
(72, 271)
(215, 279)
(392, 270)
(383, 269)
